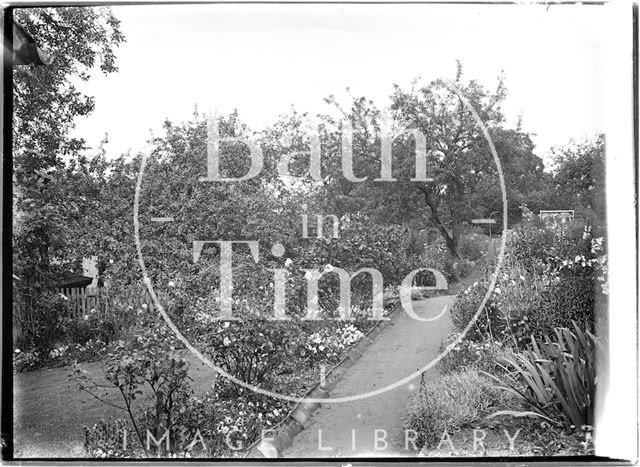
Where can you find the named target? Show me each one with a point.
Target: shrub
(526, 303)
(228, 425)
(93, 325)
(147, 361)
(473, 245)
(453, 401)
(254, 350)
(329, 345)
(435, 256)
(26, 361)
(47, 322)
(571, 299)
(457, 269)
(106, 439)
(557, 377)
(468, 355)
(490, 323)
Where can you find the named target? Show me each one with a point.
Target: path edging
(299, 416)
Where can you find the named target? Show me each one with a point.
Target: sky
(262, 59)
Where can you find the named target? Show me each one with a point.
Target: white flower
(17, 350)
(86, 317)
(144, 306)
(288, 262)
(328, 268)
(63, 296)
(497, 290)
(171, 284)
(226, 324)
(110, 261)
(226, 341)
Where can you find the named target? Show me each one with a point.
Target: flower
(63, 296)
(328, 268)
(171, 284)
(497, 290)
(17, 350)
(288, 262)
(226, 341)
(110, 261)
(86, 317)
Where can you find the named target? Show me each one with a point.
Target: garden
(528, 364)
(190, 252)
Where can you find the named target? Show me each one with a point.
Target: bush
(490, 323)
(435, 256)
(534, 294)
(470, 355)
(254, 350)
(106, 439)
(557, 377)
(571, 299)
(473, 245)
(47, 323)
(94, 325)
(453, 401)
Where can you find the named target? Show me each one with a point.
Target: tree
(465, 180)
(45, 105)
(579, 175)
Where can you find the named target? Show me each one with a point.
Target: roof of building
(71, 280)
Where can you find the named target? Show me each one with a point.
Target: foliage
(329, 345)
(473, 245)
(579, 175)
(26, 361)
(490, 323)
(45, 325)
(62, 355)
(98, 325)
(557, 377)
(467, 355)
(548, 279)
(147, 361)
(453, 401)
(107, 439)
(254, 350)
(46, 211)
(457, 268)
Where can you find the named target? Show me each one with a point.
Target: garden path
(404, 347)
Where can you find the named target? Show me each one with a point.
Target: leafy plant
(451, 402)
(557, 376)
(467, 355)
(147, 366)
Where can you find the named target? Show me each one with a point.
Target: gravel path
(348, 429)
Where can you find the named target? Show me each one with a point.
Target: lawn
(50, 411)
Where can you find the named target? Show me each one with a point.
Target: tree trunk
(450, 239)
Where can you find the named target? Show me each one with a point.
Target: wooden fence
(81, 303)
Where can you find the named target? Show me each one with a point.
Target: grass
(49, 411)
